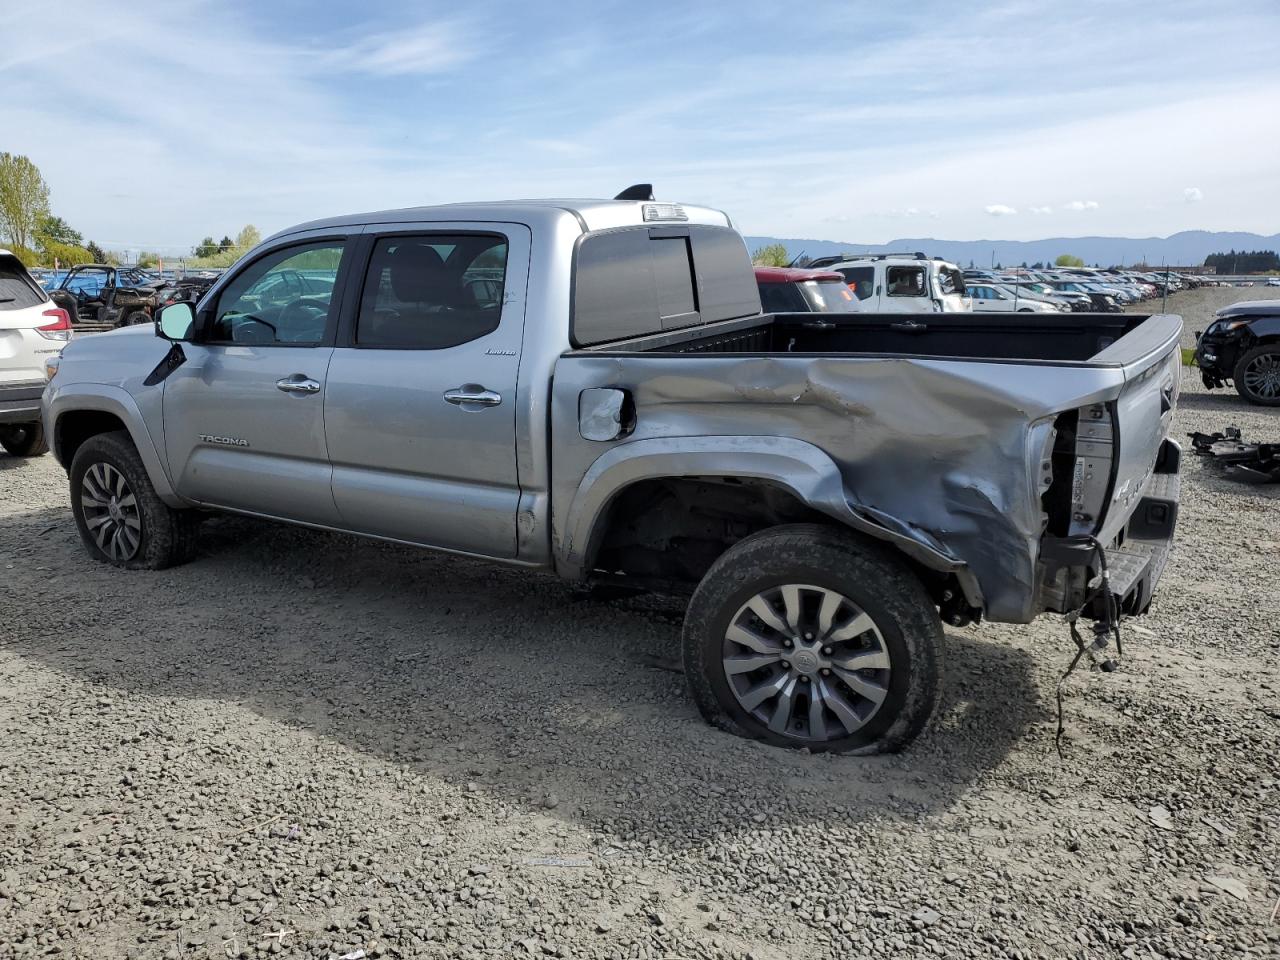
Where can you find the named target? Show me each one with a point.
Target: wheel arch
(74, 416)
(800, 479)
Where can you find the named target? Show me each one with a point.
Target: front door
(420, 402)
(244, 416)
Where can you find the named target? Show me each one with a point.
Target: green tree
(773, 255)
(226, 243)
(55, 254)
(99, 255)
(147, 260)
(205, 248)
(248, 238)
(24, 198)
(1067, 260)
(53, 229)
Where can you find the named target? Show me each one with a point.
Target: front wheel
(120, 518)
(134, 319)
(804, 636)
(23, 439)
(1257, 375)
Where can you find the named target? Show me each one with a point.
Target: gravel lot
(307, 745)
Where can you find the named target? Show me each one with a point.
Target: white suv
(903, 283)
(32, 330)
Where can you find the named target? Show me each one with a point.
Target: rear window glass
(829, 296)
(17, 290)
(642, 280)
(782, 298)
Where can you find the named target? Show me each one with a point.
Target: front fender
(58, 402)
(801, 468)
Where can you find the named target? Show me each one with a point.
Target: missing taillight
(60, 328)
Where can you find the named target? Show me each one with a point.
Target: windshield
(829, 296)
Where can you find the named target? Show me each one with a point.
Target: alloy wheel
(111, 511)
(1262, 376)
(807, 662)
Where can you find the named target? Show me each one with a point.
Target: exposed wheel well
(670, 531)
(74, 428)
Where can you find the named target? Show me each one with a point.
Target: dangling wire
(1111, 618)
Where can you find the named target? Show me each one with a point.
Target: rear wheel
(119, 516)
(135, 318)
(23, 439)
(804, 636)
(1257, 375)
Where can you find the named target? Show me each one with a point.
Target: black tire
(134, 319)
(1267, 393)
(165, 538)
(872, 579)
(23, 439)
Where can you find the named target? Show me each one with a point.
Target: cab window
(284, 298)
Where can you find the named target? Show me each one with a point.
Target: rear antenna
(796, 259)
(637, 191)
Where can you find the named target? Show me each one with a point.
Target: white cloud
(427, 48)
(1081, 205)
(1000, 210)
(1042, 210)
(1193, 194)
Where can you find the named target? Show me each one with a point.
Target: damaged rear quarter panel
(948, 447)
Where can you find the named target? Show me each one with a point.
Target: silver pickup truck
(590, 388)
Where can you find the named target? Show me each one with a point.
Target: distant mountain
(1185, 249)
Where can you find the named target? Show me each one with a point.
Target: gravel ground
(309, 745)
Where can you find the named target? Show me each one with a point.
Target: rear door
(420, 399)
(244, 416)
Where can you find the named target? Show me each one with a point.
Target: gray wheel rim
(1262, 376)
(111, 511)
(807, 662)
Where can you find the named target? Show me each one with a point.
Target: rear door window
(17, 290)
(905, 282)
(432, 291)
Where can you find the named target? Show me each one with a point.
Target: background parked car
(1242, 345)
(793, 290)
(904, 283)
(992, 298)
(31, 329)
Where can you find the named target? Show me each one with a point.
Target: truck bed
(1033, 338)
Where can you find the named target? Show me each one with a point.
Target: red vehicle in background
(792, 290)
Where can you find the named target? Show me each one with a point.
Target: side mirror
(176, 322)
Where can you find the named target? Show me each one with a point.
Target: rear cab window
(18, 290)
(635, 281)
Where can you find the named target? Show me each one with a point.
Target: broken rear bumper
(1135, 560)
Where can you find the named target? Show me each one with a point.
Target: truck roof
(590, 214)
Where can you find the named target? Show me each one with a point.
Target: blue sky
(156, 123)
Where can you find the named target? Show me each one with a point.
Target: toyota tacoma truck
(590, 387)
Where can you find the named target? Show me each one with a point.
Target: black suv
(1243, 345)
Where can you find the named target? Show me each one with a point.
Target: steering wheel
(300, 312)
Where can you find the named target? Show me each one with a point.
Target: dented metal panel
(946, 453)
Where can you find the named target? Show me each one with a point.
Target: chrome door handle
(298, 383)
(472, 393)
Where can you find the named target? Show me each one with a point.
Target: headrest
(417, 273)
